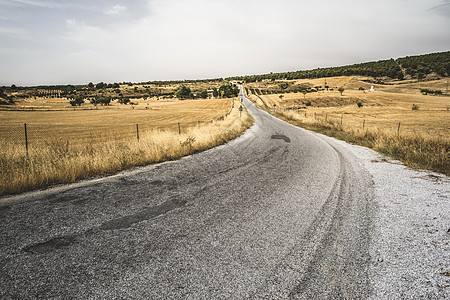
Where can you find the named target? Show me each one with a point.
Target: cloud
(115, 10)
(189, 39)
(37, 3)
(15, 32)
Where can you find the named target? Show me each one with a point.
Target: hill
(417, 67)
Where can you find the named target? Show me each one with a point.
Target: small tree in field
(304, 92)
(341, 90)
(203, 94)
(77, 101)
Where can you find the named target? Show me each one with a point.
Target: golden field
(70, 145)
(98, 123)
(423, 140)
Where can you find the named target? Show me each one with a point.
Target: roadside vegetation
(67, 146)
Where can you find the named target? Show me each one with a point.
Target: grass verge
(58, 161)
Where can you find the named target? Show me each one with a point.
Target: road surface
(276, 213)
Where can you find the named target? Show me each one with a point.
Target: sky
(46, 42)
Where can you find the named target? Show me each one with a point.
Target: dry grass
(423, 142)
(87, 126)
(63, 160)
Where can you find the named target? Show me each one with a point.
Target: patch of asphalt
(410, 242)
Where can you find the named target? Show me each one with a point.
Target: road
(279, 212)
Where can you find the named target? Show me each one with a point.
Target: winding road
(277, 213)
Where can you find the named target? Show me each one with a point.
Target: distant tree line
(416, 66)
(375, 69)
(421, 65)
(224, 91)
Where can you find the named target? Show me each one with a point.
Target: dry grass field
(72, 144)
(97, 124)
(423, 139)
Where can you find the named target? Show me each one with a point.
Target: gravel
(409, 247)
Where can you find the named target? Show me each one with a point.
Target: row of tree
(421, 65)
(375, 69)
(416, 66)
(224, 91)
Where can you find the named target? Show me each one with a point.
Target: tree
(304, 92)
(104, 100)
(183, 92)
(91, 86)
(123, 100)
(203, 94)
(77, 101)
(215, 93)
(341, 90)
(281, 97)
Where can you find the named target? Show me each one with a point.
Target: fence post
(341, 120)
(326, 117)
(26, 137)
(398, 129)
(305, 113)
(364, 123)
(179, 129)
(137, 132)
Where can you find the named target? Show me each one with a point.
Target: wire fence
(36, 135)
(32, 136)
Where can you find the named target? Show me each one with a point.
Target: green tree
(215, 93)
(204, 94)
(341, 90)
(91, 85)
(77, 101)
(304, 92)
(104, 100)
(183, 92)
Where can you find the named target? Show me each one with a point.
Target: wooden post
(341, 120)
(326, 117)
(179, 129)
(305, 113)
(398, 129)
(137, 132)
(26, 138)
(364, 123)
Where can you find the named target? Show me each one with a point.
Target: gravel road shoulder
(409, 248)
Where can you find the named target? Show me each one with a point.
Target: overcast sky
(62, 41)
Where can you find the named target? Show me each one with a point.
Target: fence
(32, 136)
(353, 121)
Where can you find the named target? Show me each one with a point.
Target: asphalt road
(276, 213)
